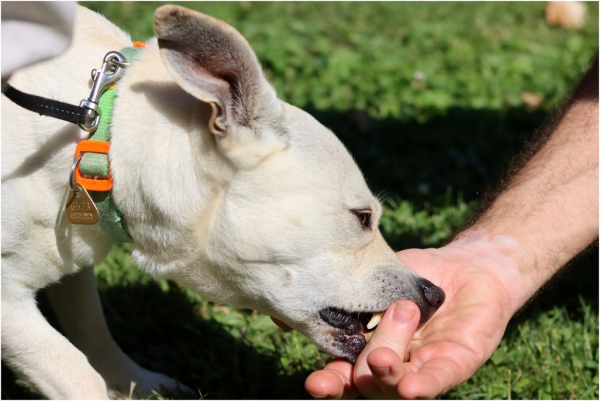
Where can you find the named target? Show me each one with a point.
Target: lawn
(429, 99)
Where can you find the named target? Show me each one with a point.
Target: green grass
(427, 98)
(550, 356)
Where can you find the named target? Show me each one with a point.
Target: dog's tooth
(368, 335)
(374, 320)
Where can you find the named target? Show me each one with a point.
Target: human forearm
(548, 212)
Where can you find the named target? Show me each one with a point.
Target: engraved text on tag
(80, 207)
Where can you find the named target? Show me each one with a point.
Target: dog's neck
(162, 208)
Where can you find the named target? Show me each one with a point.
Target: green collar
(111, 221)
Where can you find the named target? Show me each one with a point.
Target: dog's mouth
(354, 329)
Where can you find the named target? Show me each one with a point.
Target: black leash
(47, 107)
(85, 115)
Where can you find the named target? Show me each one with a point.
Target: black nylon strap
(47, 107)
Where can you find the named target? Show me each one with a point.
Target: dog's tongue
(280, 323)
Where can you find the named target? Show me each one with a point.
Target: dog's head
(289, 226)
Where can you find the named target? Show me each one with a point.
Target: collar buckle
(96, 183)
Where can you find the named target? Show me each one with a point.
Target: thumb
(396, 328)
(380, 365)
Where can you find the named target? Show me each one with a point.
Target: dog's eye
(364, 216)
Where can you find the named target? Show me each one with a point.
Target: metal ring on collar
(72, 180)
(120, 63)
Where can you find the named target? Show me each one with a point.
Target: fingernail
(403, 313)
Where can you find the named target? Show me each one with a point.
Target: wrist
(504, 258)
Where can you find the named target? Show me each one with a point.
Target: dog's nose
(434, 295)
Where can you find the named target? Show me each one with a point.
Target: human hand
(482, 287)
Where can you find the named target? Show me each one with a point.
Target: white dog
(223, 187)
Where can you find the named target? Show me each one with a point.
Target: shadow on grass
(462, 149)
(163, 332)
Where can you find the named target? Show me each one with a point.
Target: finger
(380, 366)
(387, 368)
(439, 366)
(334, 382)
(397, 327)
(280, 323)
(427, 383)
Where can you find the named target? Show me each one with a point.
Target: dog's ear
(213, 62)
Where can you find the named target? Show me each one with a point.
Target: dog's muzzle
(354, 328)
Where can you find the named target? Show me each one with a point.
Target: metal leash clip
(109, 73)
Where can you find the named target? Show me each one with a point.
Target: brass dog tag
(80, 207)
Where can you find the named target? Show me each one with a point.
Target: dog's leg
(40, 355)
(77, 305)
